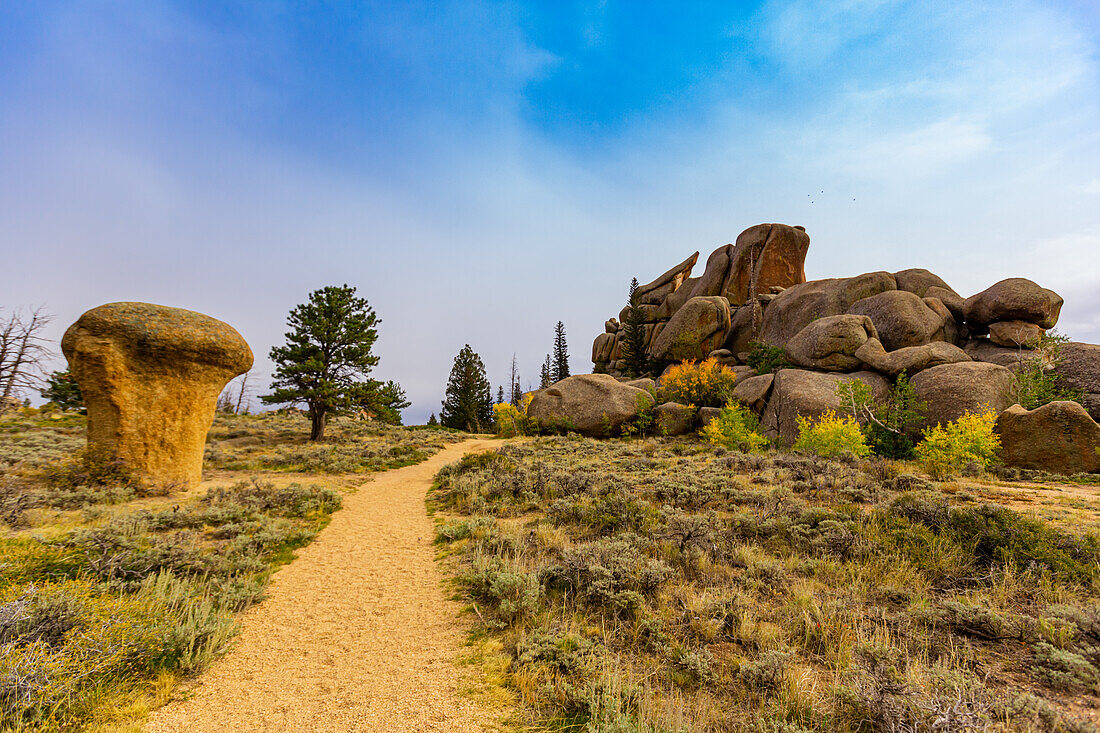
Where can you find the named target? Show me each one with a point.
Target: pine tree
(560, 369)
(469, 398)
(432, 421)
(634, 336)
(545, 376)
(327, 356)
(61, 388)
(500, 394)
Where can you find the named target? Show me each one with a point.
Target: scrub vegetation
(675, 585)
(111, 590)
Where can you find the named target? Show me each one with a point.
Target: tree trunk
(317, 424)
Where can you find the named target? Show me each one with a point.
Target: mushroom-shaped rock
(799, 305)
(1059, 437)
(1015, 334)
(1014, 299)
(911, 359)
(901, 318)
(796, 392)
(150, 376)
(830, 343)
(950, 390)
(694, 331)
(596, 405)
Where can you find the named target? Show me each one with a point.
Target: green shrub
(887, 424)
(831, 435)
(1034, 382)
(735, 428)
(765, 359)
(94, 466)
(960, 445)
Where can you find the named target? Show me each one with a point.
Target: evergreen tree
(327, 355)
(61, 388)
(432, 421)
(469, 398)
(382, 401)
(500, 394)
(634, 336)
(546, 375)
(560, 369)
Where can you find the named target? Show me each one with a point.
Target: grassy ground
(111, 591)
(665, 585)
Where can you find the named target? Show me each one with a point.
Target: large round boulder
(774, 255)
(797, 392)
(901, 318)
(951, 390)
(919, 281)
(753, 392)
(830, 343)
(150, 376)
(1078, 368)
(1015, 334)
(596, 405)
(674, 418)
(911, 359)
(1014, 299)
(697, 329)
(1059, 437)
(799, 305)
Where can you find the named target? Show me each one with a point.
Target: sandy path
(355, 635)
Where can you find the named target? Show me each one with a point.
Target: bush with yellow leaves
(968, 443)
(831, 435)
(702, 384)
(735, 428)
(510, 420)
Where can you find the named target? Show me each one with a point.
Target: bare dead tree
(243, 391)
(516, 389)
(24, 350)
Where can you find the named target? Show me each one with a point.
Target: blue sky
(481, 170)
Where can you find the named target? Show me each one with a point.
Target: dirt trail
(355, 635)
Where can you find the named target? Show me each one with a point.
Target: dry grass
(663, 585)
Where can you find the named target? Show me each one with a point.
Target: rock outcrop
(911, 360)
(799, 306)
(150, 376)
(596, 405)
(694, 331)
(901, 318)
(1079, 369)
(1058, 437)
(1014, 299)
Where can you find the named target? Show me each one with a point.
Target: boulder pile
(960, 353)
(150, 376)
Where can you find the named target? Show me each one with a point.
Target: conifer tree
(634, 336)
(432, 421)
(560, 368)
(546, 374)
(500, 394)
(327, 356)
(469, 398)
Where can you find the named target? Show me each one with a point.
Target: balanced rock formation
(901, 318)
(1014, 299)
(1059, 437)
(596, 405)
(1015, 334)
(150, 376)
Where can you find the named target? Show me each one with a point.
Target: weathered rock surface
(911, 360)
(706, 415)
(952, 300)
(799, 305)
(1059, 437)
(1079, 368)
(643, 383)
(1014, 299)
(753, 392)
(654, 293)
(150, 376)
(901, 318)
(950, 390)
(919, 281)
(774, 253)
(809, 394)
(697, 329)
(985, 350)
(1015, 334)
(674, 418)
(592, 404)
(830, 343)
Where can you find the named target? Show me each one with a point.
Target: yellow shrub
(510, 421)
(831, 435)
(702, 384)
(735, 428)
(949, 449)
